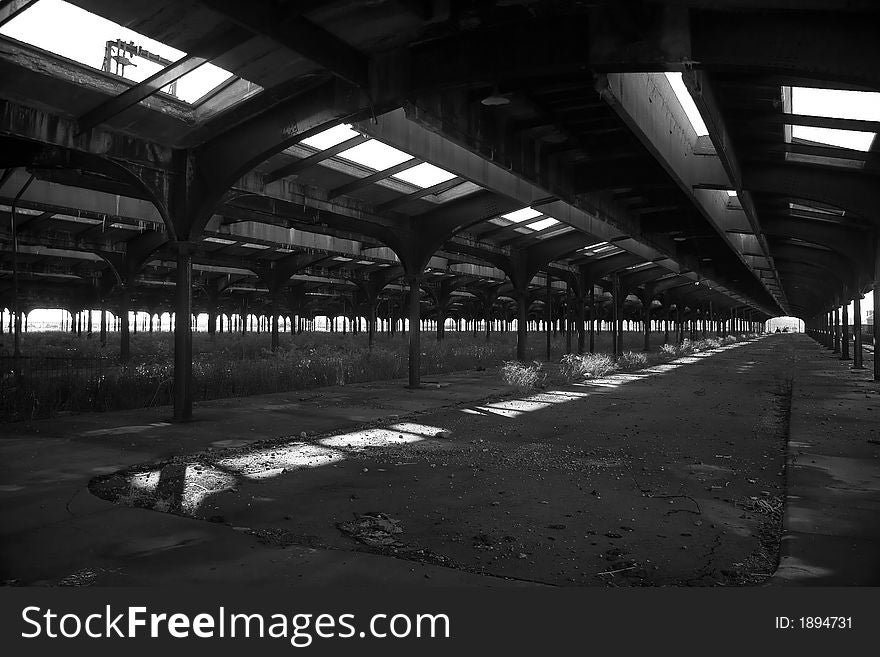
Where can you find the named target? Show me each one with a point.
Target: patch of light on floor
(626, 378)
(199, 482)
(273, 461)
(358, 440)
(418, 429)
(144, 481)
(520, 405)
(567, 393)
(556, 397)
(499, 411)
(540, 401)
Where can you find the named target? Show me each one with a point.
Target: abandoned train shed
(439, 164)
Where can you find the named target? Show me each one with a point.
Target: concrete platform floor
(832, 517)
(670, 476)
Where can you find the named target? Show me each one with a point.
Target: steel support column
(103, 328)
(371, 322)
(876, 297)
(579, 318)
(568, 320)
(125, 327)
(273, 308)
(857, 332)
(592, 318)
(548, 316)
(679, 324)
(522, 308)
(415, 353)
(836, 349)
(183, 388)
(616, 319)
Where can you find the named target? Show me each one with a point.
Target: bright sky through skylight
(71, 32)
(375, 154)
(687, 103)
(330, 137)
(521, 215)
(424, 175)
(852, 139)
(840, 104)
(836, 103)
(543, 223)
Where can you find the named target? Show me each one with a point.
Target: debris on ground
(84, 576)
(373, 529)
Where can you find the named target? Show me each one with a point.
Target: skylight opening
(330, 137)
(810, 208)
(687, 104)
(823, 160)
(424, 175)
(731, 192)
(66, 30)
(522, 215)
(835, 104)
(458, 191)
(375, 155)
(543, 223)
(555, 233)
(852, 139)
(599, 248)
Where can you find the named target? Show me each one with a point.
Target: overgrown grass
(225, 365)
(576, 367)
(232, 365)
(523, 376)
(631, 360)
